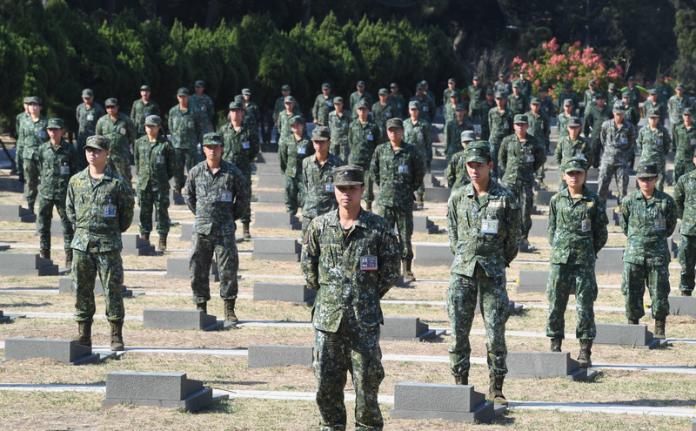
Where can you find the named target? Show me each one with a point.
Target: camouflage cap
(535, 101)
(499, 95)
(325, 85)
(490, 92)
(467, 136)
(478, 151)
(285, 87)
(574, 122)
(246, 92)
(153, 120)
(618, 108)
(360, 83)
(625, 93)
(383, 92)
(25, 101)
(234, 106)
(475, 78)
(424, 83)
(182, 91)
(599, 95)
(87, 92)
(687, 111)
(297, 119)
(647, 170)
(679, 86)
(517, 84)
(97, 141)
(654, 113)
(212, 139)
(321, 133)
(395, 123)
(577, 163)
(568, 102)
(652, 91)
(337, 99)
(413, 104)
(55, 123)
(239, 98)
(33, 100)
(362, 104)
(289, 99)
(521, 119)
(200, 83)
(145, 87)
(451, 81)
(460, 107)
(111, 101)
(348, 175)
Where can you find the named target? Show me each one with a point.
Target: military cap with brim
(111, 101)
(246, 92)
(520, 119)
(145, 87)
(647, 170)
(395, 123)
(25, 101)
(626, 93)
(87, 92)
(234, 106)
(212, 139)
(55, 123)
(687, 111)
(325, 85)
(517, 84)
(460, 107)
(568, 102)
(599, 95)
(574, 122)
(383, 92)
(478, 151)
(153, 120)
(451, 81)
(499, 95)
(199, 83)
(413, 104)
(575, 164)
(475, 78)
(360, 83)
(680, 86)
(297, 119)
(33, 100)
(490, 91)
(467, 136)
(289, 99)
(348, 175)
(535, 101)
(182, 91)
(97, 141)
(285, 87)
(239, 98)
(654, 113)
(362, 104)
(337, 99)
(618, 108)
(321, 133)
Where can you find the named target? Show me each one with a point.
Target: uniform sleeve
(72, 159)
(586, 123)
(283, 154)
(452, 223)
(241, 200)
(389, 261)
(666, 143)
(315, 109)
(310, 255)
(540, 156)
(136, 157)
(190, 193)
(679, 198)
(551, 230)
(130, 127)
(639, 143)
(625, 216)
(450, 175)
(512, 239)
(254, 145)
(671, 216)
(374, 166)
(70, 204)
(170, 122)
(603, 135)
(171, 160)
(418, 170)
(558, 152)
(125, 206)
(502, 156)
(99, 129)
(77, 114)
(675, 140)
(600, 232)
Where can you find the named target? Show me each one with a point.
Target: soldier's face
(680, 92)
(451, 85)
(96, 157)
(688, 120)
(247, 97)
(618, 117)
(348, 197)
(395, 134)
(475, 82)
(338, 106)
(383, 98)
(289, 106)
(112, 110)
(213, 153)
(360, 88)
(574, 179)
(521, 129)
(460, 115)
(297, 128)
(394, 89)
(145, 95)
(568, 109)
(183, 100)
(285, 93)
(653, 121)
(573, 132)
(199, 90)
(500, 101)
(601, 103)
(237, 115)
(479, 172)
(321, 147)
(362, 113)
(647, 185)
(152, 131)
(87, 100)
(535, 108)
(55, 134)
(326, 91)
(34, 109)
(414, 112)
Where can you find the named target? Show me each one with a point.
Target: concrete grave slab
(64, 351)
(276, 220)
(540, 226)
(532, 281)
(682, 306)
(543, 197)
(271, 181)
(279, 249)
(431, 254)
(186, 232)
(435, 401)
(546, 365)
(295, 293)
(618, 334)
(180, 319)
(5, 319)
(436, 194)
(274, 197)
(263, 356)
(406, 328)
(16, 213)
(26, 264)
(423, 224)
(66, 286)
(609, 261)
(133, 245)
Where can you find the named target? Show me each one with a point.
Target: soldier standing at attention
(397, 99)
(216, 195)
(648, 217)
(290, 153)
(500, 125)
(540, 128)
(618, 139)
(577, 232)
(185, 133)
(155, 164)
(487, 104)
(454, 130)
(517, 102)
(483, 220)
(363, 137)
(240, 147)
(279, 107)
(57, 163)
(203, 108)
(323, 104)
(571, 145)
(653, 104)
(142, 108)
(685, 199)
(684, 144)
(449, 91)
(449, 109)
(358, 95)
(476, 94)
(339, 124)
(99, 204)
(382, 110)
(675, 108)
(456, 168)
(120, 133)
(284, 122)
(397, 168)
(252, 114)
(564, 117)
(30, 137)
(317, 177)
(597, 115)
(653, 144)
(416, 131)
(351, 258)
(87, 114)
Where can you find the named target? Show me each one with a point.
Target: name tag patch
(370, 137)
(226, 196)
(110, 211)
(64, 170)
(586, 225)
(329, 187)
(246, 145)
(529, 158)
(368, 263)
(301, 150)
(489, 226)
(90, 117)
(477, 129)
(403, 169)
(159, 159)
(660, 223)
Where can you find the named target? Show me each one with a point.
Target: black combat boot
(117, 336)
(145, 237)
(633, 321)
(406, 271)
(247, 233)
(230, 316)
(660, 328)
(461, 379)
(84, 330)
(202, 306)
(45, 253)
(556, 344)
(585, 356)
(495, 389)
(162, 243)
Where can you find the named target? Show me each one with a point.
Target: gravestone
(435, 401)
(406, 328)
(186, 232)
(273, 197)
(278, 249)
(26, 264)
(271, 181)
(682, 306)
(16, 213)
(276, 220)
(436, 194)
(423, 224)
(552, 177)
(543, 197)
(66, 286)
(178, 267)
(532, 281)
(5, 319)
(10, 184)
(263, 356)
(180, 319)
(432, 254)
(540, 226)
(609, 261)
(64, 351)
(133, 245)
(592, 186)
(619, 334)
(160, 389)
(295, 293)
(546, 365)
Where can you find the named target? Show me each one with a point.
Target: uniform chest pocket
(64, 168)
(246, 145)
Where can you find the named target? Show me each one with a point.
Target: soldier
(521, 154)
(630, 112)
(517, 102)
(317, 177)
(185, 132)
(598, 114)
(358, 95)
(426, 104)
(397, 168)
(653, 144)
(487, 104)
(675, 108)
(291, 152)
(351, 258)
(454, 129)
(449, 109)
(589, 97)
(323, 104)
(684, 144)
(449, 91)
(87, 114)
(57, 163)
(284, 118)
(143, 108)
(577, 232)
(118, 128)
(685, 199)
(203, 109)
(216, 195)
(417, 133)
(568, 93)
(339, 124)
(252, 113)
(618, 138)
(500, 124)
(572, 145)
(456, 168)
(653, 104)
(476, 94)
(279, 108)
(20, 119)
(547, 105)
(613, 94)
(648, 218)
(30, 137)
(633, 94)
(397, 99)
(155, 164)
(240, 147)
(502, 85)
(524, 84)
(539, 123)
(564, 117)
(382, 110)
(99, 205)
(483, 225)
(664, 91)
(363, 137)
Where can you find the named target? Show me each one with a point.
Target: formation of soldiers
(496, 144)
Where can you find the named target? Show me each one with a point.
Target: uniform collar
(360, 222)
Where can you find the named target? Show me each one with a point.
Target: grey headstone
(16, 213)
(179, 319)
(592, 186)
(9, 184)
(682, 306)
(405, 328)
(540, 365)
(436, 401)
(437, 194)
(423, 224)
(276, 220)
(552, 176)
(271, 181)
(543, 197)
(133, 245)
(268, 157)
(26, 264)
(432, 254)
(273, 197)
(296, 293)
(279, 249)
(186, 231)
(178, 267)
(56, 228)
(623, 335)
(66, 286)
(609, 261)
(540, 226)
(262, 356)
(532, 281)
(4, 319)
(65, 351)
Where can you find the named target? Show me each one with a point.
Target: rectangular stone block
(609, 261)
(4, 319)
(66, 286)
(592, 186)
(543, 197)
(272, 197)
(271, 181)
(540, 365)
(281, 249)
(405, 328)
(430, 180)
(178, 267)
(540, 226)
(276, 220)
(552, 177)
(26, 264)
(133, 245)
(179, 319)
(436, 194)
(16, 213)
(532, 281)
(682, 306)
(150, 385)
(267, 157)
(9, 184)
(623, 335)
(186, 232)
(65, 351)
(296, 293)
(262, 356)
(433, 401)
(423, 224)
(431, 254)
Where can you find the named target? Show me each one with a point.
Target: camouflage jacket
(675, 107)
(140, 111)
(588, 101)
(685, 199)
(618, 142)
(453, 135)
(252, 116)
(351, 270)
(30, 136)
(653, 145)
(484, 114)
(184, 129)
(577, 227)
(339, 127)
(427, 108)
(87, 118)
(216, 199)
(240, 148)
(539, 127)
(594, 119)
(380, 115)
(684, 142)
(649, 106)
(154, 162)
(355, 97)
(517, 104)
(567, 148)
(399, 103)
(525, 87)
(99, 210)
(447, 93)
(321, 108)
(362, 140)
(319, 195)
(284, 129)
(648, 223)
(397, 173)
(483, 230)
(476, 96)
(121, 133)
(57, 165)
(291, 152)
(520, 160)
(456, 172)
(499, 123)
(279, 107)
(562, 119)
(418, 134)
(204, 110)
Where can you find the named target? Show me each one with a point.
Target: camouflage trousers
(495, 142)
(340, 149)
(682, 167)
(121, 163)
(246, 211)
(525, 195)
(85, 267)
(294, 194)
(184, 159)
(565, 279)
(400, 218)
(495, 309)
(609, 171)
(159, 199)
(634, 279)
(687, 261)
(225, 249)
(30, 166)
(369, 193)
(353, 348)
(43, 222)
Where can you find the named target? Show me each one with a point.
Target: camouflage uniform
(291, 153)
(476, 98)
(217, 200)
(140, 111)
(185, 133)
(350, 270)
(284, 129)
(653, 146)
(87, 125)
(203, 110)
(617, 144)
(121, 135)
(380, 115)
(427, 107)
(355, 97)
(485, 125)
(647, 224)
(362, 140)
(418, 135)
(675, 109)
(456, 173)
(399, 103)
(241, 148)
(517, 104)
(339, 126)
(500, 124)
(592, 128)
(567, 149)
(541, 130)
(321, 109)
(562, 120)
(319, 195)
(453, 133)
(684, 144)
(685, 199)
(31, 135)
(659, 107)
(252, 117)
